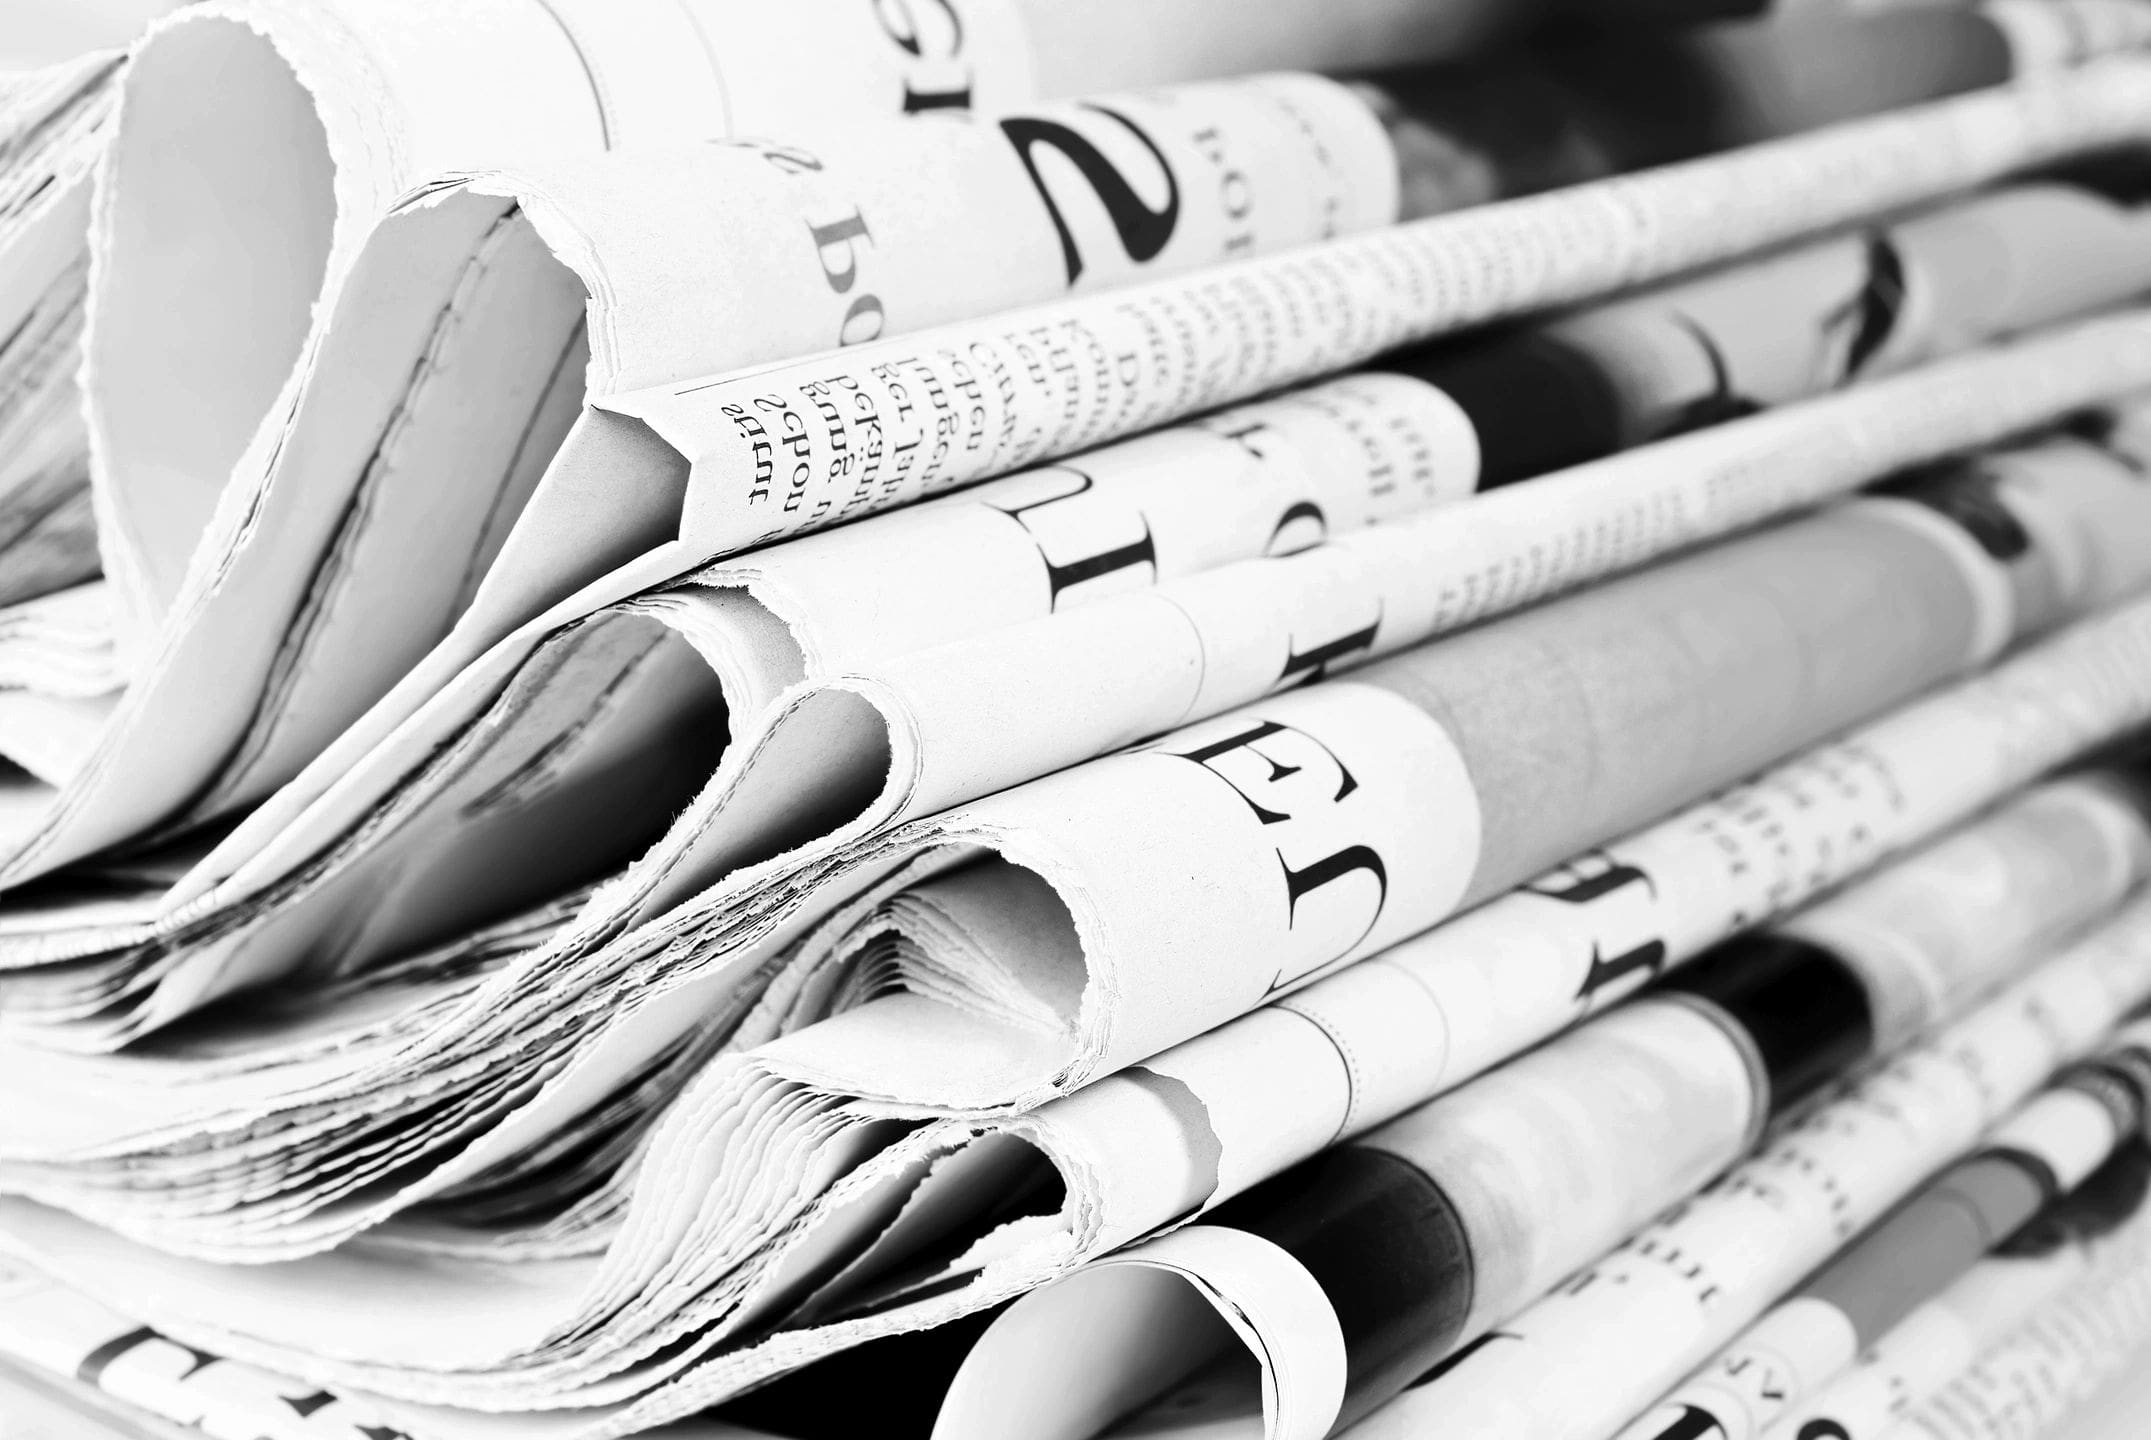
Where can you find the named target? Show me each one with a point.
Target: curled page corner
(1071, 1360)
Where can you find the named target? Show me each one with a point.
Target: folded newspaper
(1113, 720)
(313, 559)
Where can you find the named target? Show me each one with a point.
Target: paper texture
(955, 715)
(470, 289)
(2050, 1145)
(449, 275)
(1020, 1004)
(353, 531)
(2020, 879)
(1219, 643)
(1426, 1232)
(1271, 478)
(1510, 121)
(365, 102)
(1052, 380)
(53, 123)
(147, 1378)
(47, 32)
(1776, 329)
(115, 776)
(1355, 1050)
(1696, 1276)
(834, 243)
(1051, 1390)
(2028, 1383)
(616, 488)
(692, 752)
(801, 1206)
(1518, 800)
(2097, 1228)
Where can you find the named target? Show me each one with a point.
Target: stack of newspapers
(1045, 719)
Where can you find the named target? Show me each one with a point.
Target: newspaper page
(2099, 1225)
(141, 772)
(1429, 135)
(1057, 378)
(1246, 1105)
(1458, 769)
(398, 542)
(49, 32)
(1220, 37)
(1927, 1103)
(1274, 476)
(64, 640)
(141, 1110)
(1435, 1225)
(58, 675)
(52, 123)
(48, 538)
(1387, 444)
(1781, 328)
(1566, 112)
(1562, 984)
(1796, 65)
(734, 1176)
(792, 250)
(1692, 1279)
(1012, 1024)
(139, 1377)
(943, 725)
(573, 531)
(1018, 997)
(57, 663)
(1376, 447)
(369, 100)
(2029, 1383)
(159, 773)
(259, 642)
(1274, 1086)
(2051, 1144)
(2041, 35)
(1952, 640)
(2023, 721)
(456, 312)
(558, 974)
(1427, 1231)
